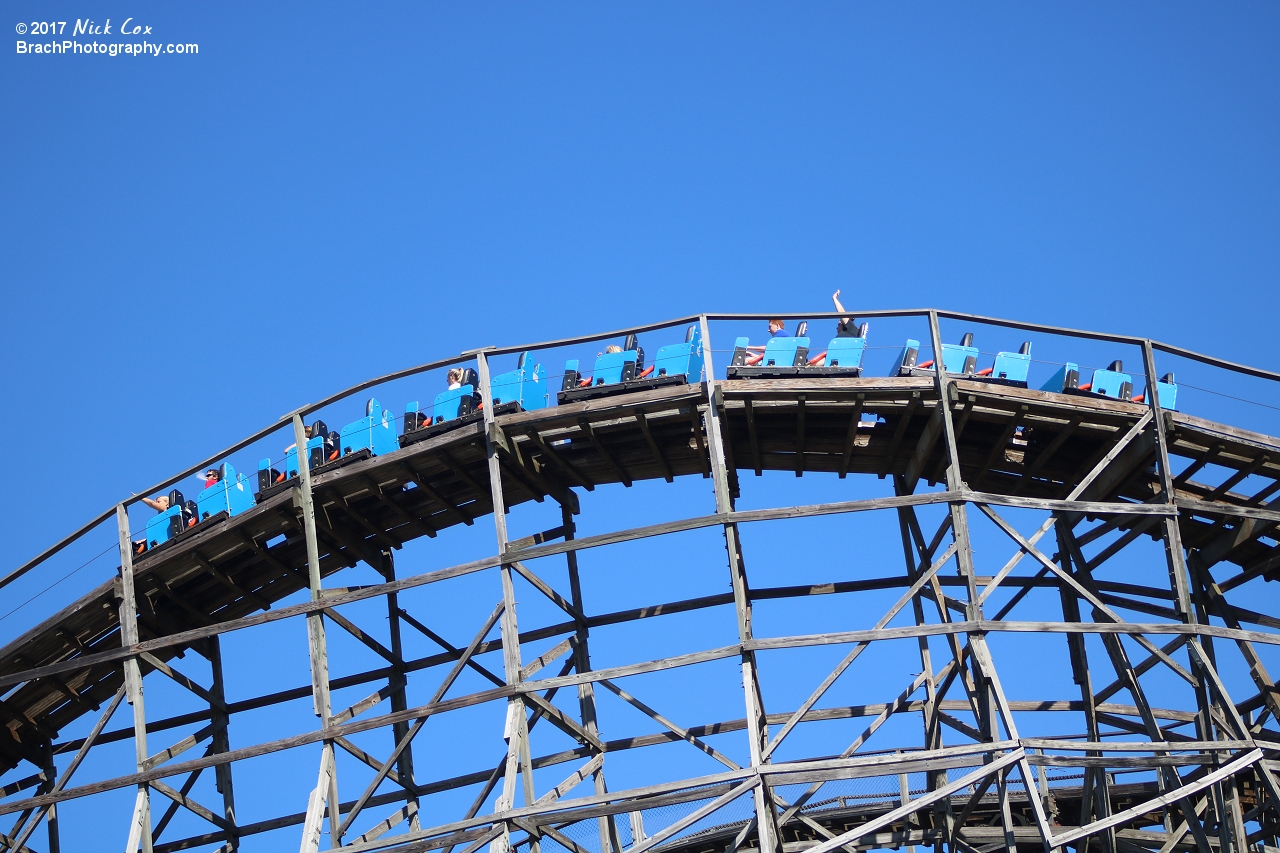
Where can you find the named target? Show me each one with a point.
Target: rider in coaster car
(454, 378)
(847, 327)
(776, 328)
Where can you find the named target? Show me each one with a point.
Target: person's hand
(835, 295)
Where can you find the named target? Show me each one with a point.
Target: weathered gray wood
(140, 825)
(327, 786)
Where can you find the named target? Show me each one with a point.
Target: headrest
(319, 428)
(689, 333)
(175, 498)
(520, 360)
(1167, 378)
(368, 406)
(862, 330)
(802, 328)
(967, 340)
(1025, 349)
(631, 342)
(469, 377)
(1116, 366)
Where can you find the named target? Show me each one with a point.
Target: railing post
(757, 723)
(140, 825)
(327, 781)
(516, 730)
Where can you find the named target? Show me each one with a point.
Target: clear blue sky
(194, 245)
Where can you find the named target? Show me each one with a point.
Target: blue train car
(1010, 368)
(524, 387)
(451, 409)
(1167, 390)
(372, 435)
(960, 359)
(783, 356)
(1112, 383)
(323, 447)
(625, 371)
(168, 525)
(788, 356)
(231, 494)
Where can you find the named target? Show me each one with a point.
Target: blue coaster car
(372, 435)
(522, 389)
(1010, 368)
(167, 525)
(322, 448)
(1112, 382)
(623, 372)
(1168, 391)
(231, 494)
(451, 409)
(783, 356)
(960, 359)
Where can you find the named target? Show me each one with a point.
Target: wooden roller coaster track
(1105, 474)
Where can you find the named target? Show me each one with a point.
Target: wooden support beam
(226, 580)
(653, 445)
(332, 496)
(585, 426)
(924, 449)
(326, 791)
(427, 489)
(456, 467)
(904, 421)
(799, 435)
(998, 449)
(1029, 472)
(750, 411)
(943, 460)
(409, 518)
(548, 453)
(511, 459)
(140, 824)
(1202, 460)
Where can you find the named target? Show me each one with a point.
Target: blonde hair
(613, 348)
(455, 375)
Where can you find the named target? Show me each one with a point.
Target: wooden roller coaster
(984, 770)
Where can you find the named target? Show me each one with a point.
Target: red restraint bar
(817, 359)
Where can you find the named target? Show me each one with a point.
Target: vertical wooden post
(516, 731)
(992, 701)
(1229, 835)
(399, 702)
(51, 817)
(586, 691)
(318, 650)
(757, 723)
(222, 743)
(140, 826)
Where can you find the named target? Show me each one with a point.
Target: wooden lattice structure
(1103, 474)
